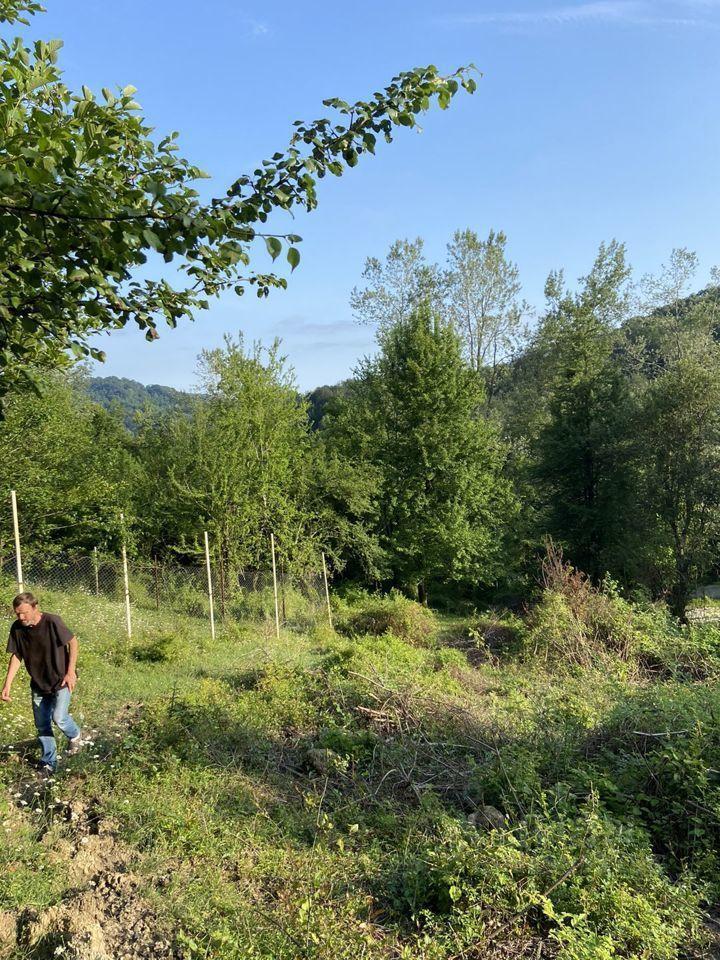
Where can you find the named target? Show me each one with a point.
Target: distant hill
(644, 330)
(323, 398)
(130, 397)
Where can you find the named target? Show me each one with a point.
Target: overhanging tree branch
(87, 196)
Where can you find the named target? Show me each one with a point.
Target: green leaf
(293, 256)
(274, 247)
(152, 239)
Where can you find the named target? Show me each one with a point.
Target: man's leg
(42, 712)
(61, 716)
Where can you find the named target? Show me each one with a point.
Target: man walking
(49, 651)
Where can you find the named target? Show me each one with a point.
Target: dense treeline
(475, 433)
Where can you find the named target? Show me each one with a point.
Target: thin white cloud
(252, 28)
(303, 335)
(258, 28)
(600, 10)
(621, 12)
(299, 326)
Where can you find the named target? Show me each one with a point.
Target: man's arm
(12, 669)
(70, 678)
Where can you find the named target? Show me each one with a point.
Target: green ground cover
(410, 786)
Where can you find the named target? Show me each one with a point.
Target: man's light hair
(25, 597)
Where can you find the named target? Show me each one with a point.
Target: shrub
(158, 646)
(576, 622)
(393, 614)
(667, 649)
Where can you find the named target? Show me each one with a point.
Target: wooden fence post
(275, 586)
(128, 620)
(16, 529)
(327, 591)
(209, 580)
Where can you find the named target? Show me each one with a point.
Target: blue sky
(593, 120)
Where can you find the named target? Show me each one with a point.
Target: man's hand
(5, 694)
(69, 680)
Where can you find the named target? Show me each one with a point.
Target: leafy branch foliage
(87, 197)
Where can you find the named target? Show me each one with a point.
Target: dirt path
(103, 915)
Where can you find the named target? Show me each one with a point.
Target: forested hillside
(131, 398)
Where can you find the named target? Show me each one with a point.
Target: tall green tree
(87, 198)
(680, 444)
(237, 466)
(397, 286)
(415, 414)
(579, 457)
(677, 430)
(344, 495)
(483, 300)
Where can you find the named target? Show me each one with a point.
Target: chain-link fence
(248, 595)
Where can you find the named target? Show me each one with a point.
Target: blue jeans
(48, 707)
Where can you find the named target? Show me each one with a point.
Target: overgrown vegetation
(380, 792)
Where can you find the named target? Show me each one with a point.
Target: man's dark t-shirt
(44, 651)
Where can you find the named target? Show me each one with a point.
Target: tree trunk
(680, 594)
(422, 593)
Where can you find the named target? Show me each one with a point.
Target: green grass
(321, 795)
